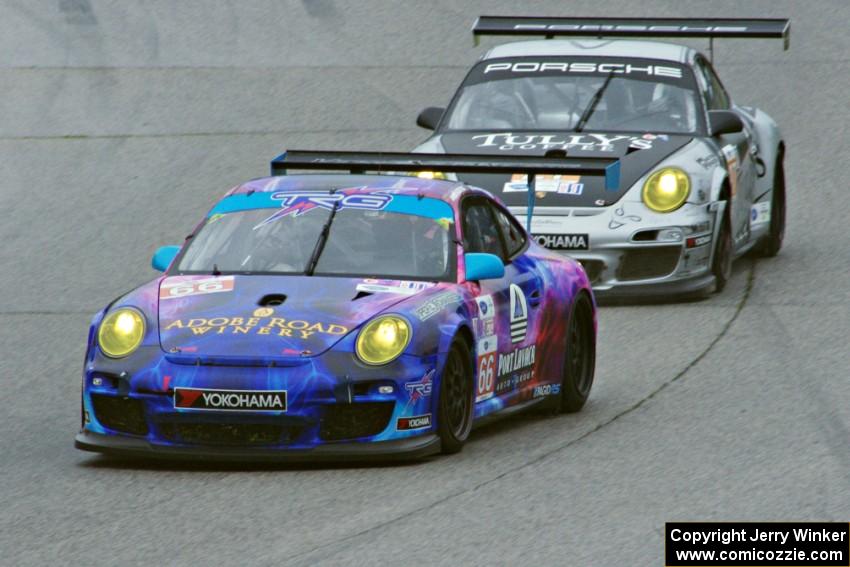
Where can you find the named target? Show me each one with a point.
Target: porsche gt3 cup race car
(333, 316)
(702, 178)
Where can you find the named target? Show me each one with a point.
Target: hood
(637, 153)
(269, 316)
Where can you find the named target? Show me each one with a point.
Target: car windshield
(360, 241)
(554, 94)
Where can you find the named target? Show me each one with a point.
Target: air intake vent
(272, 300)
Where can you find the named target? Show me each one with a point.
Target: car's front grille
(241, 434)
(350, 421)
(120, 413)
(645, 263)
(593, 268)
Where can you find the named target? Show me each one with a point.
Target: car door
(738, 150)
(505, 322)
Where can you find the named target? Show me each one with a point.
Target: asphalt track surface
(120, 122)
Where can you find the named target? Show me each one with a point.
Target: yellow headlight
(121, 332)
(666, 190)
(431, 175)
(383, 340)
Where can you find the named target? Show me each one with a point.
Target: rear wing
(393, 162)
(635, 27)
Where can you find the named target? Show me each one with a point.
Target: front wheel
(580, 356)
(454, 416)
(773, 241)
(721, 265)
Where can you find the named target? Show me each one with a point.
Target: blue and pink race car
(338, 316)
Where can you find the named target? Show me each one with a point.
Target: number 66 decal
(176, 288)
(486, 383)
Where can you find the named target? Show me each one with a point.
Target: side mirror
(724, 122)
(483, 266)
(163, 257)
(430, 117)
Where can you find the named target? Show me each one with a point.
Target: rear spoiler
(394, 162)
(635, 27)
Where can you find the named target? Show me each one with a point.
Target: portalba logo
(563, 241)
(582, 67)
(230, 400)
(516, 360)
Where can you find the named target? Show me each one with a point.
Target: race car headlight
(431, 175)
(383, 340)
(121, 332)
(666, 190)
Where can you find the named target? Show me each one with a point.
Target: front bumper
(118, 446)
(334, 409)
(632, 252)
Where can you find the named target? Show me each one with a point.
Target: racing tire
(721, 264)
(454, 413)
(579, 356)
(772, 243)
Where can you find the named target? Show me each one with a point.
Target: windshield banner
(638, 69)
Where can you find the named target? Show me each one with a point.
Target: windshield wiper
(591, 107)
(320, 243)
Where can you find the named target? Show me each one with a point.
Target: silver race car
(701, 179)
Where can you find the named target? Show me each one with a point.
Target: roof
(594, 47)
(403, 185)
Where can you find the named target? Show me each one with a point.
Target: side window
(480, 232)
(715, 95)
(514, 235)
(707, 90)
(721, 97)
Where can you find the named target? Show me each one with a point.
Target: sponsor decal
(620, 218)
(515, 369)
(444, 223)
(229, 400)
(760, 213)
(507, 141)
(561, 184)
(550, 224)
(415, 422)
(393, 286)
(421, 388)
(519, 314)
(257, 325)
(695, 241)
(485, 323)
(547, 390)
(435, 305)
(485, 306)
(563, 241)
(486, 383)
(263, 312)
(708, 162)
(630, 27)
(175, 288)
(516, 360)
(297, 203)
(524, 67)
